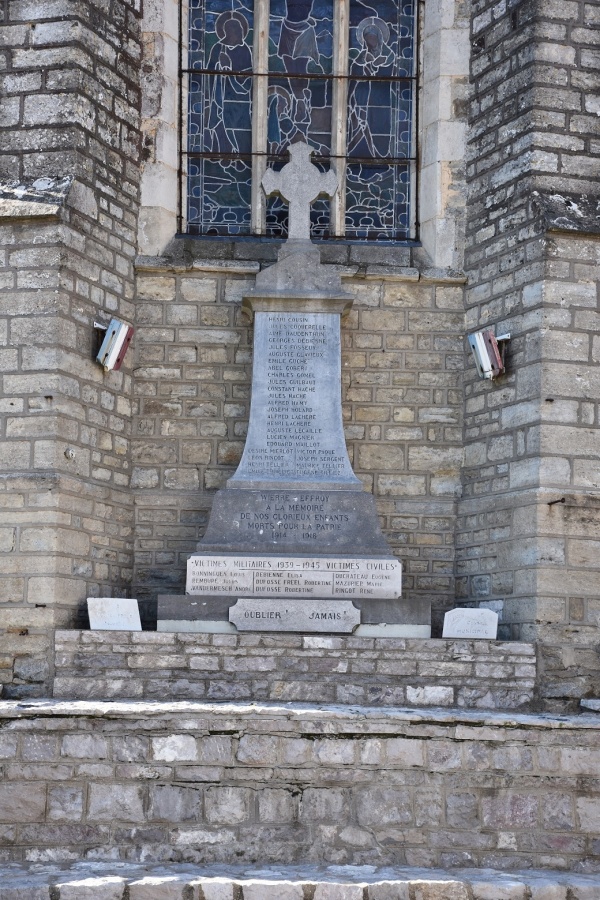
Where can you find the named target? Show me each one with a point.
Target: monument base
(199, 626)
(307, 521)
(287, 546)
(378, 617)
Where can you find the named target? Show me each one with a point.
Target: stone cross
(299, 182)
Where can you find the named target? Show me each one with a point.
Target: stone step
(120, 881)
(209, 784)
(150, 665)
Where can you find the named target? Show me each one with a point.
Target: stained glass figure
(220, 116)
(298, 99)
(380, 97)
(300, 45)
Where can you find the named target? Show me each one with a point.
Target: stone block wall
(292, 667)
(159, 124)
(196, 783)
(401, 360)
(532, 437)
(68, 204)
(71, 127)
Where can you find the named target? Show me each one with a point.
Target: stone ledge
(348, 270)
(117, 881)
(33, 198)
(316, 716)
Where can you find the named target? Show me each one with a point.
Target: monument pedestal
(293, 539)
(294, 521)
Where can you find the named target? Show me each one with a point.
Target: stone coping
(370, 272)
(320, 717)
(33, 197)
(109, 881)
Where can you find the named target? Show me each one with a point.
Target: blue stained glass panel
(299, 109)
(300, 44)
(379, 119)
(382, 38)
(220, 112)
(377, 201)
(221, 35)
(219, 115)
(380, 113)
(301, 37)
(219, 193)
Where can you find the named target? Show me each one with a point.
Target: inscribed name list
(278, 576)
(296, 432)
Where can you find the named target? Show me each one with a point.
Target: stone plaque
(295, 522)
(279, 576)
(471, 623)
(113, 614)
(295, 435)
(263, 614)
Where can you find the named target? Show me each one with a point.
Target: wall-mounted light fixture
(489, 352)
(114, 346)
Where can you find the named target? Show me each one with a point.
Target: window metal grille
(257, 75)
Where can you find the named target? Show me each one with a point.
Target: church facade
(487, 490)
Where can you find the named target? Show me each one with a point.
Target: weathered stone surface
(228, 882)
(374, 670)
(278, 891)
(158, 888)
(361, 778)
(108, 802)
(103, 888)
(221, 890)
(338, 892)
(175, 747)
(344, 522)
(432, 889)
(24, 803)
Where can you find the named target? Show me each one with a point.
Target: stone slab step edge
(458, 885)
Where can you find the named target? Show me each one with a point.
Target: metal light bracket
(489, 353)
(114, 346)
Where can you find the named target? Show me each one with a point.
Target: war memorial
(299, 470)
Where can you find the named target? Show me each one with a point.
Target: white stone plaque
(263, 614)
(113, 614)
(294, 576)
(471, 623)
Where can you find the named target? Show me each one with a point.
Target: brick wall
(69, 164)
(401, 356)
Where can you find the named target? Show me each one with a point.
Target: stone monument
(294, 537)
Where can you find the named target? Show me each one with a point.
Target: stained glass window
(262, 74)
